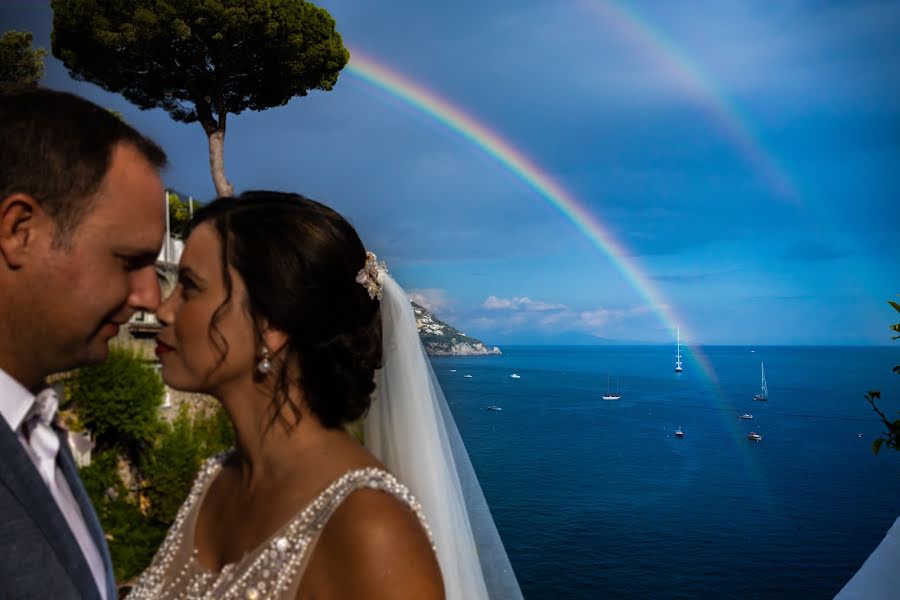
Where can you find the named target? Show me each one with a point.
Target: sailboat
(678, 368)
(609, 395)
(763, 394)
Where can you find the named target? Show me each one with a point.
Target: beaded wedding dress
(410, 429)
(274, 569)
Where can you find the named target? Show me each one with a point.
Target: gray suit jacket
(39, 556)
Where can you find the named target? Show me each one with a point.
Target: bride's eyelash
(187, 284)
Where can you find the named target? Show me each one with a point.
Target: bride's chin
(171, 379)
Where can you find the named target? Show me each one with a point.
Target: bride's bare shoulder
(373, 546)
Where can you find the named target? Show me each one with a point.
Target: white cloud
(434, 300)
(596, 319)
(523, 314)
(520, 303)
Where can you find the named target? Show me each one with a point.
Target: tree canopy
(200, 59)
(20, 65)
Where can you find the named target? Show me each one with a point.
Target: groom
(81, 224)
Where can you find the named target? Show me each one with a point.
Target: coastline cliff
(441, 339)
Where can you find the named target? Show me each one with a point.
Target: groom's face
(92, 283)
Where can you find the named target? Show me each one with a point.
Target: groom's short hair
(57, 147)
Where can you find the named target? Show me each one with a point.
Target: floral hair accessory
(371, 275)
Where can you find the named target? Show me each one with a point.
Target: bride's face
(201, 321)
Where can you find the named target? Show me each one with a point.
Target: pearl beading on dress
(270, 569)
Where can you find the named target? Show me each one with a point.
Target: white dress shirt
(15, 404)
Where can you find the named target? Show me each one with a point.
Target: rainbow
(459, 122)
(525, 169)
(698, 86)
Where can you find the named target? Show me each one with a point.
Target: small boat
(753, 436)
(679, 432)
(763, 394)
(515, 376)
(678, 368)
(609, 395)
(746, 416)
(494, 407)
(453, 370)
(467, 376)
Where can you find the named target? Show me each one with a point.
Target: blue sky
(637, 131)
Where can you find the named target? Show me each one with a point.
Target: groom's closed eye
(136, 261)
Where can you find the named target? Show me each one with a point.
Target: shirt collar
(15, 400)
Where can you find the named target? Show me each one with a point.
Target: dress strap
(308, 532)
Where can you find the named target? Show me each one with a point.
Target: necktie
(44, 442)
(42, 438)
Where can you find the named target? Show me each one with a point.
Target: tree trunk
(217, 162)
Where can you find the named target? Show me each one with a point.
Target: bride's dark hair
(299, 260)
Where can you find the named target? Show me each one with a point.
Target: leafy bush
(170, 469)
(118, 401)
(132, 538)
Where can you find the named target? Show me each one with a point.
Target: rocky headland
(441, 339)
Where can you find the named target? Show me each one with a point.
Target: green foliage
(133, 539)
(200, 59)
(179, 215)
(891, 436)
(118, 401)
(19, 64)
(171, 467)
(136, 520)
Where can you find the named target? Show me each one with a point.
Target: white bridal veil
(411, 430)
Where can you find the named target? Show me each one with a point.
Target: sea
(596, 498)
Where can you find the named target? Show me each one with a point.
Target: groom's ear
(21, 220)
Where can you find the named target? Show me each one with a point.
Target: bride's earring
(264, 365)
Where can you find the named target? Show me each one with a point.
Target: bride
(282, 316)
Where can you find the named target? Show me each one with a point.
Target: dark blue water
(598, 498)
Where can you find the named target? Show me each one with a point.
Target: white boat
(763, 394)
(494, 407)
(678, 368)
(515, 376)
(753, 436)
(467, 376)
(679, 432)
(453, 370)
(746, 416)
(609, 395)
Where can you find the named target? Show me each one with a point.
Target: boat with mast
(609, 395)
(678, 368)
(763, 394)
